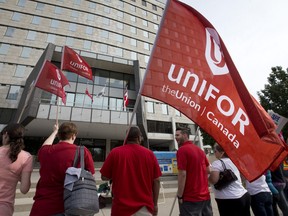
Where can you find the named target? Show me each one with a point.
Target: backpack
(80, 190)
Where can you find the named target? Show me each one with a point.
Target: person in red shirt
(54, 161)
(193, 169)
(135, 172)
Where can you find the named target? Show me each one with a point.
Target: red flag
(191, 70)
(52, 79)
(73, 62)
(125, 98)
(89, 95)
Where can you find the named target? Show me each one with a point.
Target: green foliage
(274, 96)
(207, 139)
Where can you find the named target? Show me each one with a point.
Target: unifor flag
(190, 69)
(52, 79)
(74, 63)
(88, 94)
(125, 97)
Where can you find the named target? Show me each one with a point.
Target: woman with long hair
(16, 165)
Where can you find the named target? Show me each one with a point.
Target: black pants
(234, 207)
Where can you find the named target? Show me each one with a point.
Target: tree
(274, 96)
(207, 139)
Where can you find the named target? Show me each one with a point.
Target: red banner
(74, 63)
(191, 70)
(52, 79)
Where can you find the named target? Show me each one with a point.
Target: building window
(72, 27)
(120, 25)
(119, 38)
(133, 55)
(16, 16)
(120, 14)
(13, 92)
(101, 78)
(154, 7)
(107, 10)
(133, 42)
(144, 3)
(146, 59)
(31, 35)
(26, 52)
(87, 45)
(91, 17)
(145, 34)
(105, 21)
(133, 30)
(150, 107)
(20, 71)
(69, 41)
(159, 127)
(103, 48)
(145, 23)
(21, 3)
(51, 38)
(156, 27)
(144, 13)
(146, 46)
(132, 8)
(155, 17)
(89, 30)
(92, 5)
(104, 34)
(77, 2)
(75, 14)
(9, 31)
(116, 80)
(70, 99)
(58, 10)
(115, 104)
(133, 19)
(177, 113)
(118, 52)
(4, 48)
(164, 108)
(36, 20)
(54, 23)
(40, 6)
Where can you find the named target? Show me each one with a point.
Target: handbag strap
(82, 157)
(75, 161)
(223, 164)
(80, 149)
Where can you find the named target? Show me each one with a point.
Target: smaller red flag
(89, 95)
(125, 98)
(52, 79)
(74, 63)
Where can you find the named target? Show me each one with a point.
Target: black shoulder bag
(226, 177)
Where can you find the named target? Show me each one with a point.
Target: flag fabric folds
(191, 70)
(74, 63)
(88, 94)
(125, 97)
(52, 79)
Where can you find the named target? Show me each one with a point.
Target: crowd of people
(135, 175)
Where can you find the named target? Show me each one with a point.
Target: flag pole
(145, 75)
(84, 98)
(57, 109)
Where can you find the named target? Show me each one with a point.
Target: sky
(255, 32)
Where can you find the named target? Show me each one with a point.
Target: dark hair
(220, 149)
(184, 130)
(15, 133)
(134, 134)
(67, 130)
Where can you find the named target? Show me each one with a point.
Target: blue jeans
(261, 204)
(202, 208)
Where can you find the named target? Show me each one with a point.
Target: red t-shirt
(132, 169)
(54, 161)
(193, 159)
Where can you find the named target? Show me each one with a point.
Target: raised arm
(50, 139)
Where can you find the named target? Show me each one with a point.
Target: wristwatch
(179, 197)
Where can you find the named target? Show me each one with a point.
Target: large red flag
(73, 62)
(52, 79)
(191, 70)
